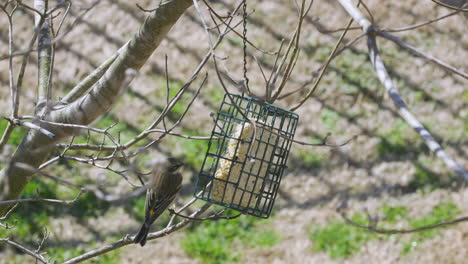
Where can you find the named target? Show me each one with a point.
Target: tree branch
(421, 54)
(373, 227)
(25, 250)
(44, 49)
(129, 239)
(391, 88)
(103, 94)
(26, 200)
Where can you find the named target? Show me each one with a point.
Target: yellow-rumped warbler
(163, 186)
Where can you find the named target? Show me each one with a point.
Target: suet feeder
(244, 164)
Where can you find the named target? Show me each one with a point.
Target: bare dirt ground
(350, 101)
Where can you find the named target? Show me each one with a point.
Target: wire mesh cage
(244, 164)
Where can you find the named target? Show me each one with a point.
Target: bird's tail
(142, 234)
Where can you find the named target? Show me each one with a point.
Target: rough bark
(35, 146)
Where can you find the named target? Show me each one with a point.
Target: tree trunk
(35, 146)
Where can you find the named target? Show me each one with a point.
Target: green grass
(329, 119)
(427, 180)
(224, 240)
(341, 240)
(396, 140)
(38, 214)
(311, 159)
(320, 51)
(119, 130)
(441, 213)
(264, 239)
(174, 87)
(192, 150)
(31, 219)
(215, 95)
(361, 79)
(420, 96)
(234, 41)
(136, 208)
(16, 136)
(393, 214)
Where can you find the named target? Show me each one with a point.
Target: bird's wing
(159, 205)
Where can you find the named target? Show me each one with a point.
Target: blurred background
(386, 171)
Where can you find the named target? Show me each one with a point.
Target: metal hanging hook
(244, 38)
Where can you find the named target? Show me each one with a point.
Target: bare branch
(25, 250)
(19, 122)
(129, 239)
(317, 72)
(151, 128)
(44, 52)
(325, 66)
(324, 142)
(146, 10)
(45, 236)
(7, 226)
(13, 90)
(420, 24)
(215, 216)
(78, 19)
(450, 7)
(98, 192)
(109, 147)
(6, 135)
(27, 200)
(212, 11)
(9, 212)
(391, 88)
(90, 80)
(65, 14)
(373, 228)
(421, 54)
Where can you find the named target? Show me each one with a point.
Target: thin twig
(129, 239)
(45, 235)
(391, 89)
(295, 52)
(410, 27)
(215, 216)
(25, 250)
(373, 228)
(212, 11)
(7, 226)
(450, 7)
(421, 54)
(404, 112)
(27, 200)
(9, 212)
(19, 122)
(324, 69)
(324, 142)
(78, 20)
(13, 89)
(173, 101)
(218, 74)
(85, 146)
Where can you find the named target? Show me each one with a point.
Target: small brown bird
(163, 187)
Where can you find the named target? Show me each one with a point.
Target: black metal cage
(244, 163)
